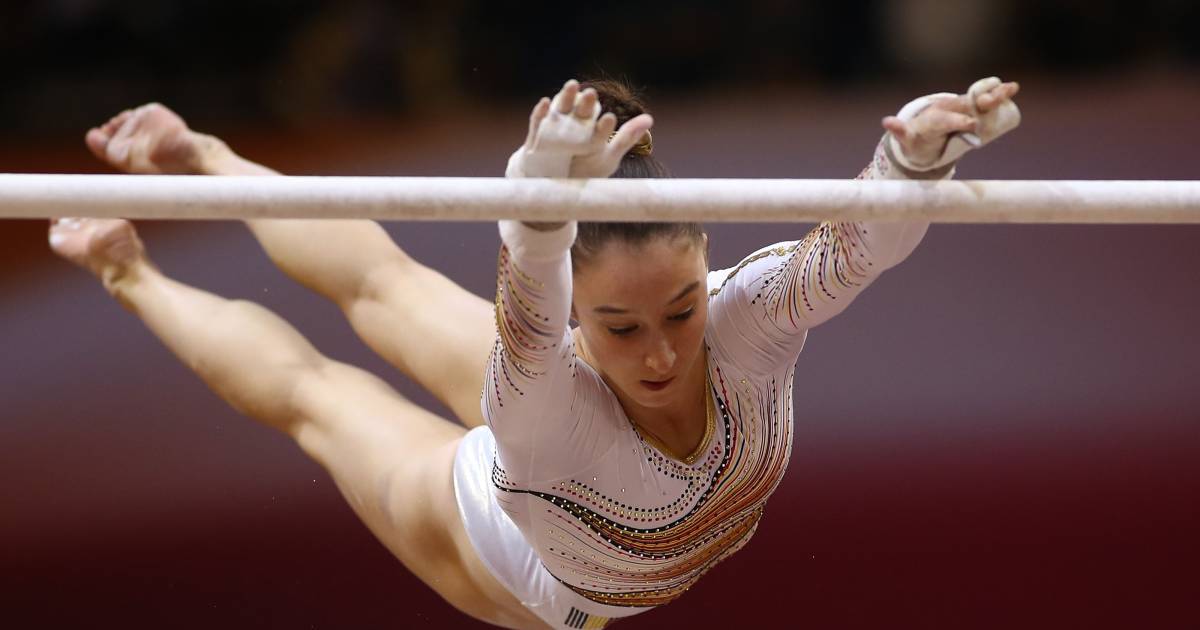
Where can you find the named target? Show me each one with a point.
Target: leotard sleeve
(762, 309)
(530, 381)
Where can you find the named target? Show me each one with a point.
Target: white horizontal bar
(485, 199)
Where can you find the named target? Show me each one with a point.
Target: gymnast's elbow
(901, 238)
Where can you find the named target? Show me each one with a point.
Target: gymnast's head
(640, 292)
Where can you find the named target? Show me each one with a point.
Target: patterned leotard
(609, 515)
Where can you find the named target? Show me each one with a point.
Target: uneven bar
(486, 199)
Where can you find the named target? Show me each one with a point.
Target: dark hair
(621, 100)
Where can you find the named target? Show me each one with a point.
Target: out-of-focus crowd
(281, 60)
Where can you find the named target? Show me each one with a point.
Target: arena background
(1002, 432)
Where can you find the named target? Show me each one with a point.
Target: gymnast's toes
(105, 247)
(151, 139)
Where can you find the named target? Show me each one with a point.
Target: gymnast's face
(641, 311)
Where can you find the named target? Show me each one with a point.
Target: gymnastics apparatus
(184, 197)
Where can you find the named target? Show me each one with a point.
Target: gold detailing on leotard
(724, 544)
(774, 251)
(611, 551)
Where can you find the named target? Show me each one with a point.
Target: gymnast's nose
(661, 356)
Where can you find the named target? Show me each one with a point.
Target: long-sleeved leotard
(609, 515)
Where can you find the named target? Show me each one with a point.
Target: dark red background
(1003, 432)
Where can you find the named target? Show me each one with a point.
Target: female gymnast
(610, 464)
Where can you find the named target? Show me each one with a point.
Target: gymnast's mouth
(657, 385)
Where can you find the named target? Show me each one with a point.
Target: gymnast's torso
(620, 521)
(610, 514)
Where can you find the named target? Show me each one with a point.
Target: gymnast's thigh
(393, 462)
(432, 329)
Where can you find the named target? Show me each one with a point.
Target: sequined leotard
(610, 516)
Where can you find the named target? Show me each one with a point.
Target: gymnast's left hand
(984, 113)
(568, 137)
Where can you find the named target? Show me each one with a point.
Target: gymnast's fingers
(585, 105)
(960, 104)
(997, 95)
(564, 101)
(535, 118)
(628, 135)
(605, 126)
(941, 122)
(896, 127)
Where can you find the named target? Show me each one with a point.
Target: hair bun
(624, 103)
(616, 97)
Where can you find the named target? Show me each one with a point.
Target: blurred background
(1003, 431)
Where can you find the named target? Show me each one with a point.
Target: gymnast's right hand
(152, 140)
(569, 138)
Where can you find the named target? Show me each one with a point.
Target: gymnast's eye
(620, 332)
(684, 315)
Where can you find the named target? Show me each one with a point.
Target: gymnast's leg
(433, 330)
(391, 459)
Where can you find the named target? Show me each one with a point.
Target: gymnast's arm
(528, 383)
(531, 398)
(767, 303)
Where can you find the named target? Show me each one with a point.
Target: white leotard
(610, 516)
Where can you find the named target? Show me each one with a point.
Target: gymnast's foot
(109, 248)
(153, 140)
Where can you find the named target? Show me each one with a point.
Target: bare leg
(391, 459)
(399, 307)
